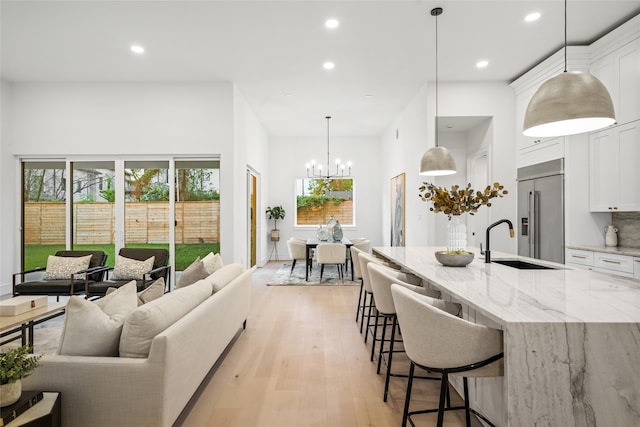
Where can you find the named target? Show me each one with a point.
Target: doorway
(252, 203)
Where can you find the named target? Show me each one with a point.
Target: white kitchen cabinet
(621, 265)
(636, 267)
(614, 169)
(619, 71)
(579, 258)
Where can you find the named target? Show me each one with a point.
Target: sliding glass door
(93, 207)
(172, 204)
(44, 225)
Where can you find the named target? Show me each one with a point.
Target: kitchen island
(571, 337)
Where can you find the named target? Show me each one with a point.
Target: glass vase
(330, 224)
(456, 234)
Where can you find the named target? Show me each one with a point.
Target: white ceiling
(273, 48)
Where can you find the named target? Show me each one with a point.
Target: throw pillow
(62, 267)
(93, 328)
(224, 275)
(196, 271)
(153, 291)
(212, 262)
(131, 269)
(147, 321)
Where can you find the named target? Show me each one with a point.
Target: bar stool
(366, 258)
(357, 275)
(381, 280)
(438, 341)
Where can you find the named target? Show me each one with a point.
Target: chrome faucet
(487, 252)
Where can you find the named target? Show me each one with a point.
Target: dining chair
(331, 253)
(297, 250)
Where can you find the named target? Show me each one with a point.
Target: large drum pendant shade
(567, 104)
(437, 161)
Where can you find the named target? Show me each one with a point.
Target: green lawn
(36, 255)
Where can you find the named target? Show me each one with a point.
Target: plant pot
(10, 393)
(275, 235)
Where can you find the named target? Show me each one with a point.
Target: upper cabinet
(614, 166)
(619, 70)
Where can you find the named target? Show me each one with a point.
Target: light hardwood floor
(302, 362)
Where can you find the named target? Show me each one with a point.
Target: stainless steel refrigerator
(541, 211)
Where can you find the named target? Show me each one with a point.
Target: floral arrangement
(459, 200)
(16, 364)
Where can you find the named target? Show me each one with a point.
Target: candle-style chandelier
(342, 169)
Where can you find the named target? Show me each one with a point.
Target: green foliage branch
(457, 200)
(275, 213)
(17, 363)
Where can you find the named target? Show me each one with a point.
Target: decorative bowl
(454, 260)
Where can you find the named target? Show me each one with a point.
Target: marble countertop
(619, 250)
(506, 294)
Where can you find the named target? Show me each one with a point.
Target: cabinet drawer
(620, 263)
(636, 267)
(578, 256)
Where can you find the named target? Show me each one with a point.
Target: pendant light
(340, 167)
(568, 103)
(437, 160)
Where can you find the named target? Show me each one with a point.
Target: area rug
(46, 337)
(329, 278)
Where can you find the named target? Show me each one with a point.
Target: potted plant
(15, 364)
(275, 213)
(454, 203)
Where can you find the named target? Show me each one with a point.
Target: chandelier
(342, 169)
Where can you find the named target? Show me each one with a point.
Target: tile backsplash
(628, 225)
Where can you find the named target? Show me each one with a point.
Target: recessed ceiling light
(532, 17)
(368, 96)
(136, 48)
(288, 95)
(328, 65)
(482, 64)
(331, 23)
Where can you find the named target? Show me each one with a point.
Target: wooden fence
(146, 222)
(315, 216)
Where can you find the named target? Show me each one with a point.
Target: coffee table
(25, 322)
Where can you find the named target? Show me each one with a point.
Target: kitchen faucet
(487, 252)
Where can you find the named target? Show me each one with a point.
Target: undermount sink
(522, 265)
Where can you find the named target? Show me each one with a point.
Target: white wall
(487, 99)
(251, 146)
(129, 120)
(8, 226)
(287, 159)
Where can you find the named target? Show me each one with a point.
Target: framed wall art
(397, 210)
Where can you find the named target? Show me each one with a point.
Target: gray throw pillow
(196, 271)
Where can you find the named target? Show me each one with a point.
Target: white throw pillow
(224, 275)
(92, 328)
(151, 292)
(196, 271)
(148, 320)
(212, 262)
(62, 267)
(131, 269)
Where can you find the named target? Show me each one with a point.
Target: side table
(46, 413)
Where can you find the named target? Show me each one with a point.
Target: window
(317, 199)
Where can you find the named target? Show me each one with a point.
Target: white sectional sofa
(152, 391)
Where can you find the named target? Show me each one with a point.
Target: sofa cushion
(224, 275)
(131, 269)
(151, 292)
(148, 320)
(62, 267)
(92, 328)
(212, 262)
(196, 271)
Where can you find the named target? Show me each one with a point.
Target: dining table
(313, 242)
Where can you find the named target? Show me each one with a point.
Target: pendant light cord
(435, 12)
(328, 118)
(565, 36)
